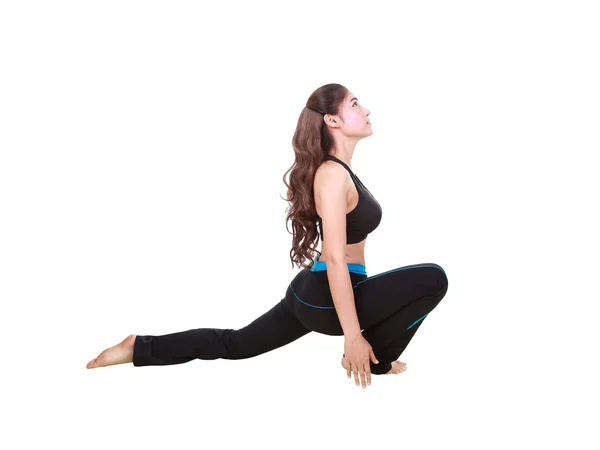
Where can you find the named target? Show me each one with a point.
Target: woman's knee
(442, 283)
(435, 279)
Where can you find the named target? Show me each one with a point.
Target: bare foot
(397, 366)
(119, 354)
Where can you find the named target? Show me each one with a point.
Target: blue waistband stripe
(352, 267)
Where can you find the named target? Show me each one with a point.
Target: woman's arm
(332, 190)
(343, 297)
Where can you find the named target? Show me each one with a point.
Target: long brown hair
(311, 142)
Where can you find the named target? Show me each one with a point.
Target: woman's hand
(359, 353)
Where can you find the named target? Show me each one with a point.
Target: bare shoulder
(330, 172)
(330, 177)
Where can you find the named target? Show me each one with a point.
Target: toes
(98, 361)
(398, 366)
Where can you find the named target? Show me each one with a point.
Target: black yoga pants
(391, 306)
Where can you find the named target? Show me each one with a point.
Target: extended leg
(274, 329)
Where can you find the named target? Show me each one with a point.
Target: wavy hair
(311, 142)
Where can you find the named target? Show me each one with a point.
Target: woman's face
(355, 118)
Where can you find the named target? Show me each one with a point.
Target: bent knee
(442, 283)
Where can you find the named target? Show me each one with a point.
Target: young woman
(332, 294)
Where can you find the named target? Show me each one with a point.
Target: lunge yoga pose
(332, 294)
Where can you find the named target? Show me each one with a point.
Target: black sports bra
(365, 217)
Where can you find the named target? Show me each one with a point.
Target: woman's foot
(119, 354)
(397, 366)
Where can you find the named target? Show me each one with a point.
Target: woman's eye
(355, 103)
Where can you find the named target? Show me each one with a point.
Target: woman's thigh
(376, 297)
(379, 296)
(310, 299)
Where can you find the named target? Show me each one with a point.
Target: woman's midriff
(355, 253)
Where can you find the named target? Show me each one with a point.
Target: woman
(332, 294)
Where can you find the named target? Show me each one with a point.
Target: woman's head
(345, 119)
(332, 118)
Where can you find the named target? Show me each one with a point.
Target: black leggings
(390, 307)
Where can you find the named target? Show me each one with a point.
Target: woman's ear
(331, 120)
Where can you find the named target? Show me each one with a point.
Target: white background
(143, 146)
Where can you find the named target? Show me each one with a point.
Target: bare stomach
(355, 253)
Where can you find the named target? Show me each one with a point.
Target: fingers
(364, 373)
(373, 357)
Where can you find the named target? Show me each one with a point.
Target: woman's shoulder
(330, 172)
(328, 166)
(328, 169)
